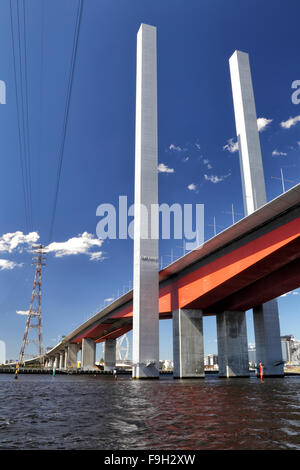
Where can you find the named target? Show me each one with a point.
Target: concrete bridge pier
(109, 354)
(232, 344)
(56, 361)
(267, 338)
(61, 359)
(188, 350)
(65, 359)
(88, 354)
(266, 317)
(145, 342)
(72, 356)
(51, 362)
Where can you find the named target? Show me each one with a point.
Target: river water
(92, 412)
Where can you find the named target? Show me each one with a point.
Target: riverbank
(35, 370)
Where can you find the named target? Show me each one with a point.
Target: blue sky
(195, 118)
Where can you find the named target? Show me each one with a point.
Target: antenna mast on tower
(34, 318)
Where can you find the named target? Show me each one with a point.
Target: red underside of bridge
(252, 274)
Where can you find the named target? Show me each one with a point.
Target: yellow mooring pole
(17, 370)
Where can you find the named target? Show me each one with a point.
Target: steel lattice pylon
(35, 310)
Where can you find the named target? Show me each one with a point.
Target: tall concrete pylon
(253, 181)
(266, 317)
(145, 353)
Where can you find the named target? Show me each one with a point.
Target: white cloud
(231, 146)
(175, 148)
(162, 168)
(82, 244)
(262, 123)
(109, 299)
(276, 152)
(12, 241)
(290, 122)
(186, 159)
(7, 264)
(197, 146)
(192, 187)
(97, 255)
(216, 179)
(296, 292)
(207, 163)
(298, 143)
(22, 312)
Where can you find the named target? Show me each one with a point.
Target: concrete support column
(79, 354)
(65, 358)
(56, 361)
(252, 172)
(88, 354)
(232, 344)
(267, 338)
(51, 362)
(145, 350)
(188, 351)
(109, 354)
(266, 317)
(61, 359)
(72, 356)
(46, 362)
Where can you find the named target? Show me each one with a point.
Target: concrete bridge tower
(266, 317)
(145, 277)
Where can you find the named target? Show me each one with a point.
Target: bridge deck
(249, 263)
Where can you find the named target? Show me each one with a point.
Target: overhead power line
(66, 113)
(27, 133)
(40, 152)
(24, 107)
(23, 127)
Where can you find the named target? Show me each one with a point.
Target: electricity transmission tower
(34, 317)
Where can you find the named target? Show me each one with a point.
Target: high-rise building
(290, 349)
(252, 355)
(210, 360)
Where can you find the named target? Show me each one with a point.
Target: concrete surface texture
(145, 279)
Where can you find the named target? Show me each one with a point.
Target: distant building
(290, 349)
(252, 355)
(166, 364)
(2, 352)
(210, 360)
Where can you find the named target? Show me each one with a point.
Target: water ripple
(83, 412)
